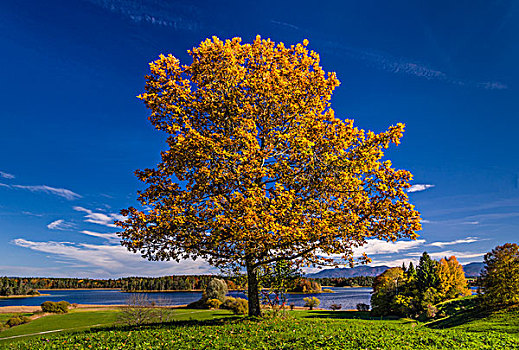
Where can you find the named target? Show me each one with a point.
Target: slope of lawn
(463, 314)
(310, 330)
(72, 320)
(80, 320)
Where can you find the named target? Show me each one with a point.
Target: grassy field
(463, 315)
(205, 329)
(81, 320)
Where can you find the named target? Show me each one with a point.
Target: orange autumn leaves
(258, 168)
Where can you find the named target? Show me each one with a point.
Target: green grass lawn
(463, 314)
(206, 329)
(72, 320)
(213, 329)
(81, 320)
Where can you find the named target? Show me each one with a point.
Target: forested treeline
(15, 286)
(360, 281)
(25, 285)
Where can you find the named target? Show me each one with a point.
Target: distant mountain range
(356, 271)
(471, 270)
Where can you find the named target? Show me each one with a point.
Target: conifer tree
(427, 273)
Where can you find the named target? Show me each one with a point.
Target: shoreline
(82, 307)
(79, 289)
(23, 296)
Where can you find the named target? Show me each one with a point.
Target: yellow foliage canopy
(258, 168)
(452, 278)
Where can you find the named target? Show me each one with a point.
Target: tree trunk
(253, 292)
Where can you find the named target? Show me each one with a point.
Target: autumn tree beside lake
(258, 168)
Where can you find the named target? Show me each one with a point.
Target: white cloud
(6, 175)
(447, 253)
(376, 246)
(100, 218)
(493, 85)
(60, 225)
(284, 24)
(112, 260)
(108, 236)
(4, 185)
(31, 214)
(177, 15)
(402, 65)
(392, 262)
(458, 241)
(419, 187)
(61, 192)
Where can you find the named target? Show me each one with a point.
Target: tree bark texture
(253, 292)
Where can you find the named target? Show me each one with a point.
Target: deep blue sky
(72, 131)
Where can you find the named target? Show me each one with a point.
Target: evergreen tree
(411, 272)
(427, 274)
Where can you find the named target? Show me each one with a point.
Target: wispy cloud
(393, 262)
(470, 223)
(493, 85)
(113, 260)
(284, 24)
(458, 241)
(6, 175)
(60, 225)
(108, 236)
(402, 65)
(376, 246)
(31, 214)
(61, 192)
(419, 188)
(178, 15)
(448, 253)
(100, 218)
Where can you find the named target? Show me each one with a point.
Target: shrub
(430, 311)
(60, 307)
(326, 290)
(17, 320)
(238, 306)
(311, 302)
(138, 310)
(227, 303)
(216, 289)
(336, 307)
(362, 307)
(213, 303)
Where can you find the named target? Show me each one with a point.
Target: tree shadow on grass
(350, 315)
(169, 324)
(459, 312)
(458, 319)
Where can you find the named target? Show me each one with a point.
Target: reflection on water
(347, 297)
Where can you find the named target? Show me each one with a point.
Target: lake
(347, 297)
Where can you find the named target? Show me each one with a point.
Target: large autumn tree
(500, 277)
(258, 169)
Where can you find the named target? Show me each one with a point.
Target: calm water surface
(347, 297)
